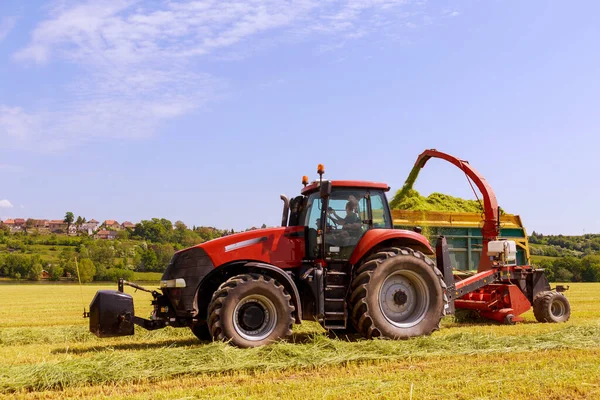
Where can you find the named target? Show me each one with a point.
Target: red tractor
(336, 259)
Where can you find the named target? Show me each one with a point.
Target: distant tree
(79, 221)
(164, 253)
(69, 218)
(35, 272)
(591, 268)
(263, 226)
(102, 253)
(155, 230)
(55, 271)
(563, 275)
(87, 270)
(148, 260)
(30, 223)
(180, 232)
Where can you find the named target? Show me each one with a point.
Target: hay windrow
(112, 364)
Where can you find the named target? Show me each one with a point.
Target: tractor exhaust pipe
(286, 209)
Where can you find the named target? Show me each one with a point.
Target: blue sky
(205, 111)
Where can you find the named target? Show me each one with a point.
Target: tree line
(572, 269)
(148, 247)
(559, 245)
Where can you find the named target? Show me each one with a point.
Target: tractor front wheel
(250, 310)
(398, 293)
(551, 307)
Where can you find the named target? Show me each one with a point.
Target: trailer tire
(250, 310)
(551, 306)
(398, 293)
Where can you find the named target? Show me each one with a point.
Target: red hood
(283, 247)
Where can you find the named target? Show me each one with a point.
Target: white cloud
(140, 60)
(451, 13)
(6, 25)
(5, 204)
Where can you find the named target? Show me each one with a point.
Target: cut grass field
(46, 352)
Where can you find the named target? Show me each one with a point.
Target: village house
(72, 230)
(15, 225)
(128, 225)
(57, 226)
(10, 223)
(112, 224)
(89, 227)
(108, 229)
(104, 234)
(40, 223)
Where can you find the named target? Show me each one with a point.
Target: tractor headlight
(173, 283)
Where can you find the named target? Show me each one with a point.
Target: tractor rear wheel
(551, 307)
(398, 293)
(250, 310)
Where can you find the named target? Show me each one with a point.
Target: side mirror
(325, 189)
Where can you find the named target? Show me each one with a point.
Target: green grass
(46, 352)
(535, 259)
(147, 276)
(48, 253)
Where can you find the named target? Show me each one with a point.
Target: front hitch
(123, 282)
(112, 313)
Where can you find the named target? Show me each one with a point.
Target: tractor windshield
(347, 218)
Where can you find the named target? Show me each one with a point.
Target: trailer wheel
(551, 307)
(398, 293)
(509, 319)
(250, 310)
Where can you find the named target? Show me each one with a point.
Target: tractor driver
(352, 221)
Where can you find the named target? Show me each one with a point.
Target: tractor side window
(313, 222)
(296, 208)
(381, 218)
(313, 212)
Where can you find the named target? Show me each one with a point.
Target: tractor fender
(220, 274)
(384, 237)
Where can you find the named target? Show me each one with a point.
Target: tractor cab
(337, 218)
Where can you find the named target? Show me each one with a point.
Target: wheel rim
(254, 317)
(404, 298)
(557, 309)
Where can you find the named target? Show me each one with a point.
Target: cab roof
(314, 186)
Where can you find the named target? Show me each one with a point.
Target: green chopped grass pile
(411, 200)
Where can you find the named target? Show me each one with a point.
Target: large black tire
(398, 293)
(250, 310)
(551, 307)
